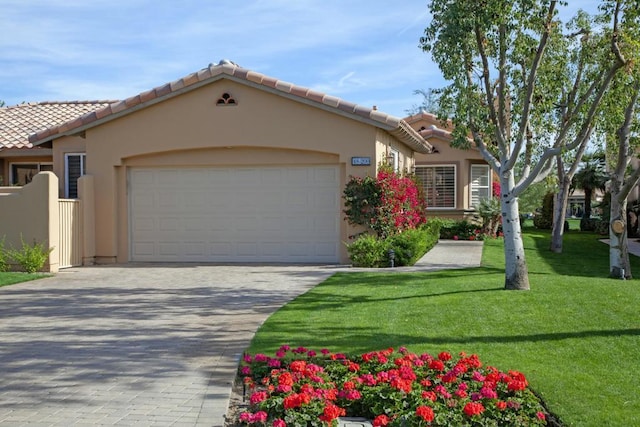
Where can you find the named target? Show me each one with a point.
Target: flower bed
(300, 387)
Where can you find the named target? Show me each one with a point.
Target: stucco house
(454, 180)
(223, 165)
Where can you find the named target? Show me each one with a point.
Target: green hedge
(408, 246)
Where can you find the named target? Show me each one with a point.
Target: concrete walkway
(146, 344)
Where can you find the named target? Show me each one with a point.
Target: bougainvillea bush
(301, 387)
(387, 204)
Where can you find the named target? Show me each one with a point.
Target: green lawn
(11, 278)
(576, 334)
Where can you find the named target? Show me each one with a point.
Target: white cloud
(78, 49)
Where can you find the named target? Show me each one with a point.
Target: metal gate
(70, 249)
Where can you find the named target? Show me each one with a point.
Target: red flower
(517, 381)
(285, 379)
(473, 408)
(279, 423)
(298, 366)
(331, 412)
(296, 400)
(436, 365)
(381, 421)
(425, 412)
(501, 405)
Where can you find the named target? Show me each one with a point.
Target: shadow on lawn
(582, 254)
(403, 288)
(362, 339)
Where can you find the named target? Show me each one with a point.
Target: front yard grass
(576, 334)
(11, 278)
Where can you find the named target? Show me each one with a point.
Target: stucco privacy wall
(32, 212)
(190, 130)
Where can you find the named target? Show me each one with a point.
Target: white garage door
(244, 214)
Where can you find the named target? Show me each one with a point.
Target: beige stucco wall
(386, 143)
(30, 214)
(190, 130)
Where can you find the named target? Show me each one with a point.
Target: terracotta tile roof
(231, 71)
(20, 121)
(435, 129)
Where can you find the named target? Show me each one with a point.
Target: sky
(364, 51)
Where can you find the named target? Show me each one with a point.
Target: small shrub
(460, 230)
(368, 251)
(602, 227)
(544, 219)
(31, 257)
(410, 245)
(4, 266)
(490, 212)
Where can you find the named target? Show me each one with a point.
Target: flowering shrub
(299, 387)
(495, 189)
(387, 205)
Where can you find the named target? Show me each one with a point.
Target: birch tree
(508, 63)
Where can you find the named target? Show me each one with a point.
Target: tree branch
(486, 81)
(531, 83)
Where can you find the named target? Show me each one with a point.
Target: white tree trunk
(559, 214)
(516, 273)
(619, 266)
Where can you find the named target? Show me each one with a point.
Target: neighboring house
(223, 165)
(454, 180)
(19, 160)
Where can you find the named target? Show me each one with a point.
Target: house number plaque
(361, 161)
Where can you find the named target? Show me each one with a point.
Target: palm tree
(591, 177)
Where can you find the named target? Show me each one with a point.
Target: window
(439, 183)
(23, 173)
(480, 184)
(74, 168)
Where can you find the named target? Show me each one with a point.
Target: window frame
(454, 166)
(472, 186)
(38, 164)
(83, 160)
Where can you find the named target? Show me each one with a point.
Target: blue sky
(365, 51)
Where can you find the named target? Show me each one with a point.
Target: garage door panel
(252, 214)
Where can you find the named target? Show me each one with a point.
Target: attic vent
(226, 99)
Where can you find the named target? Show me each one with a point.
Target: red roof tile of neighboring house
(20, 121)
(231, 71)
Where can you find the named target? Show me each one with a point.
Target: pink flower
(455, 237)
(279, 423)
(261, 357)
(258, 397)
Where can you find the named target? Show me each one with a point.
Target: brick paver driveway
(135, 344)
